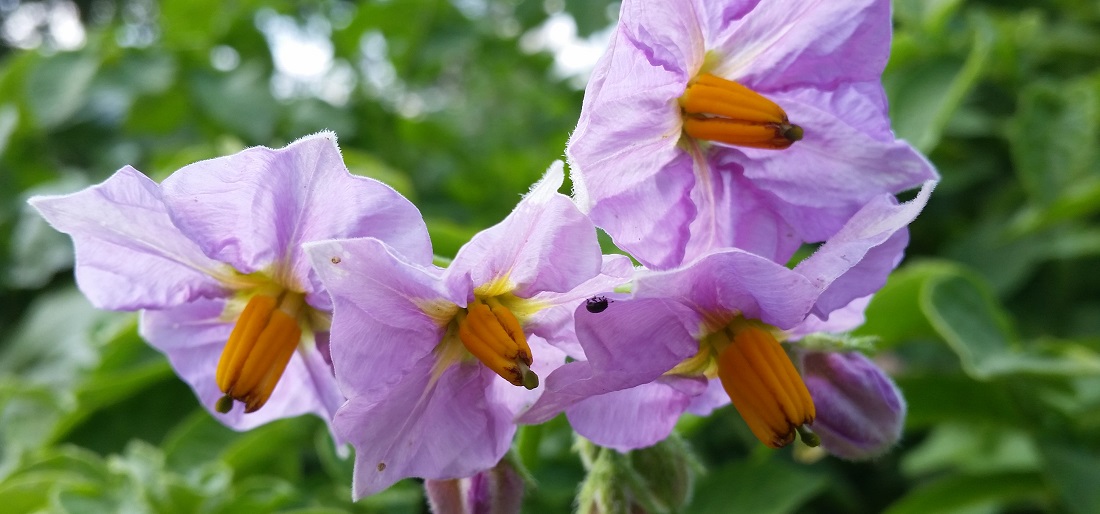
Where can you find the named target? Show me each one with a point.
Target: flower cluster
(715, 140)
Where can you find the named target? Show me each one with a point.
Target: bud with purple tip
(860, 411)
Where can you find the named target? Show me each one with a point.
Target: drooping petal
(860, 412)
(734, 282)
(632, 342)
(856, 261)
(380, 323)
(258, 206)
(634, 418)
(781, 45)
(439, 430)
(545, 244)
(193, 335)
(129, 255)
(844, 319)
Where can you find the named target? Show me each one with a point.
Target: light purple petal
(379, 328)
(255, 208)
(733, 212)
(856, 261)
(819, 182)
(844, 319)
(628, 172)
(417, 429)
(666, 33)
(734, 282)
(129, 255)
(637, 417)
(632, 342)
(714, 397)
(642, 200)
(718, 18)
(545, 244)
(546, 359)
(555, 322)
(780, 45)
(193, 336)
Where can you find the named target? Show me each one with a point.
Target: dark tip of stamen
(224, 404)
(808, 438)
(530, 379)
(792, 133)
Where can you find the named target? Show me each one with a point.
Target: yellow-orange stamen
(716, 109)
(259, 349)
(764, 386)
(490, 332)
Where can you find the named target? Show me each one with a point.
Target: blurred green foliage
(991, 327)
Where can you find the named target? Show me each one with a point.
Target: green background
(991, 326)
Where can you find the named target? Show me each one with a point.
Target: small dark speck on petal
(335, 260)
(381, 467)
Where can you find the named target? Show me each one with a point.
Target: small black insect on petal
(596, 304)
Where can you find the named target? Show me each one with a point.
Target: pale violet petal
(381, 325)
(634, 418)
(856, 261)
(129, 255)
(255, 208)
(734, 212)
(193, 336)
(419, 428)
(781, 45)
(734, 282)
(545, 244)
(554, 321)
(630, 343)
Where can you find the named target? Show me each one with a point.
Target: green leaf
(990, 492)
(1074, 472)
(1053, 138)
(968, 318)
(936, 398)
(762, 486)
(925, 94)
(367, 165)
(894, 314)
(974, 449)
(239, 100)
(57, 87)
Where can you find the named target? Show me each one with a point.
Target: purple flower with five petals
(738, 123)
(436, 363)
(710, 332)
(212, 258)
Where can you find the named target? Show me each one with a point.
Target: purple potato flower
(212, 258)
(715, 326)
(436, 363)
(678, 152)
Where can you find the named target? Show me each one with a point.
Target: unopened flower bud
(494, 491)
(860, 411)
(649, 480)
